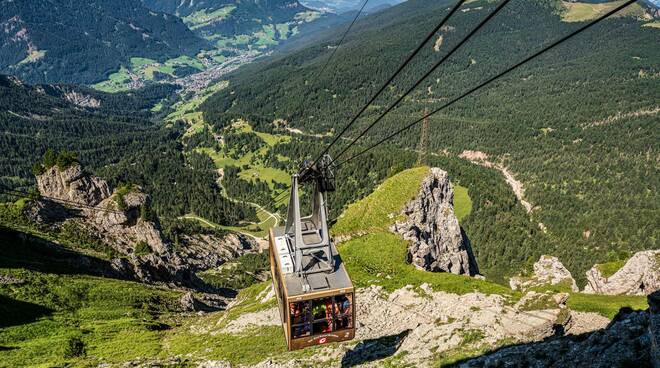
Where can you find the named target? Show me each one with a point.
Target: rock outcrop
(547, 271)
(72, 184)
(72, 196)
(418, 324)
(626, 342)
(437, 242)
(639, 276)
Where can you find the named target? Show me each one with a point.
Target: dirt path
(480, 158)
(620, 116)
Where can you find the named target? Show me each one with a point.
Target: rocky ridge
(548, 270)
(437, 242)
(630, 340)
(639, 276)
(73, 196)
(417, 324)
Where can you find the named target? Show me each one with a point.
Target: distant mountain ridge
(66, 41)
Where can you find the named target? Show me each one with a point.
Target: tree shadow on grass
(373, 349)
(15, 312)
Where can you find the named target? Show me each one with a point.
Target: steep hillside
(111, 134)
(542, 127)
(239, 24)
(84, 41)
(58, 313)
(103, 126)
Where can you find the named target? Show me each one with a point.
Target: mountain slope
(257, 22)
(84, 41)
(576, 128)
(406, 317)
(113, 134)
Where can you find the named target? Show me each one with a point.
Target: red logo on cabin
(323, 340)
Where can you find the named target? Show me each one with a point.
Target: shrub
(142, 249)
(65, 159)
(75, 348)
(38, 169)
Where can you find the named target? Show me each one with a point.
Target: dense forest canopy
(117, 140)
(55, 41)
(578, 126)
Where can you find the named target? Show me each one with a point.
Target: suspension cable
(391, 78)
(303, 101)
(426, 75)
(492, 79)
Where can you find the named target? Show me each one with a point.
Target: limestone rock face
(73, 184)
(437, 242)
(547, 271)
(123, 229)
(639, 276)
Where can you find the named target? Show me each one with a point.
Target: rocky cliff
(547, 271)
(72, 184)
(116, 218)
(639, 276)
(437, 242)
(630, 340)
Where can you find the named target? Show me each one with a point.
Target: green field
(267, 174)
(117, 82)
(373, 212)
(188, 109)
(582, 12)
(254, 170)
(462, 202)
(144, 69)
(203, 18)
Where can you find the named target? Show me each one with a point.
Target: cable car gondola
(315, 294)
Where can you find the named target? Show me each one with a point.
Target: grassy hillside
(375, 256)
(576, 127)
(53, 314)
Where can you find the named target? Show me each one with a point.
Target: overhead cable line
(492, 79)
(391, 78)
(426, 75)
(429, 36)
(332, 55)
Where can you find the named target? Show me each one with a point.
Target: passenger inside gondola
(300, 323)
(322, 312)
(343, 311)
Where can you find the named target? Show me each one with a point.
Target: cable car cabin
(315, 294)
